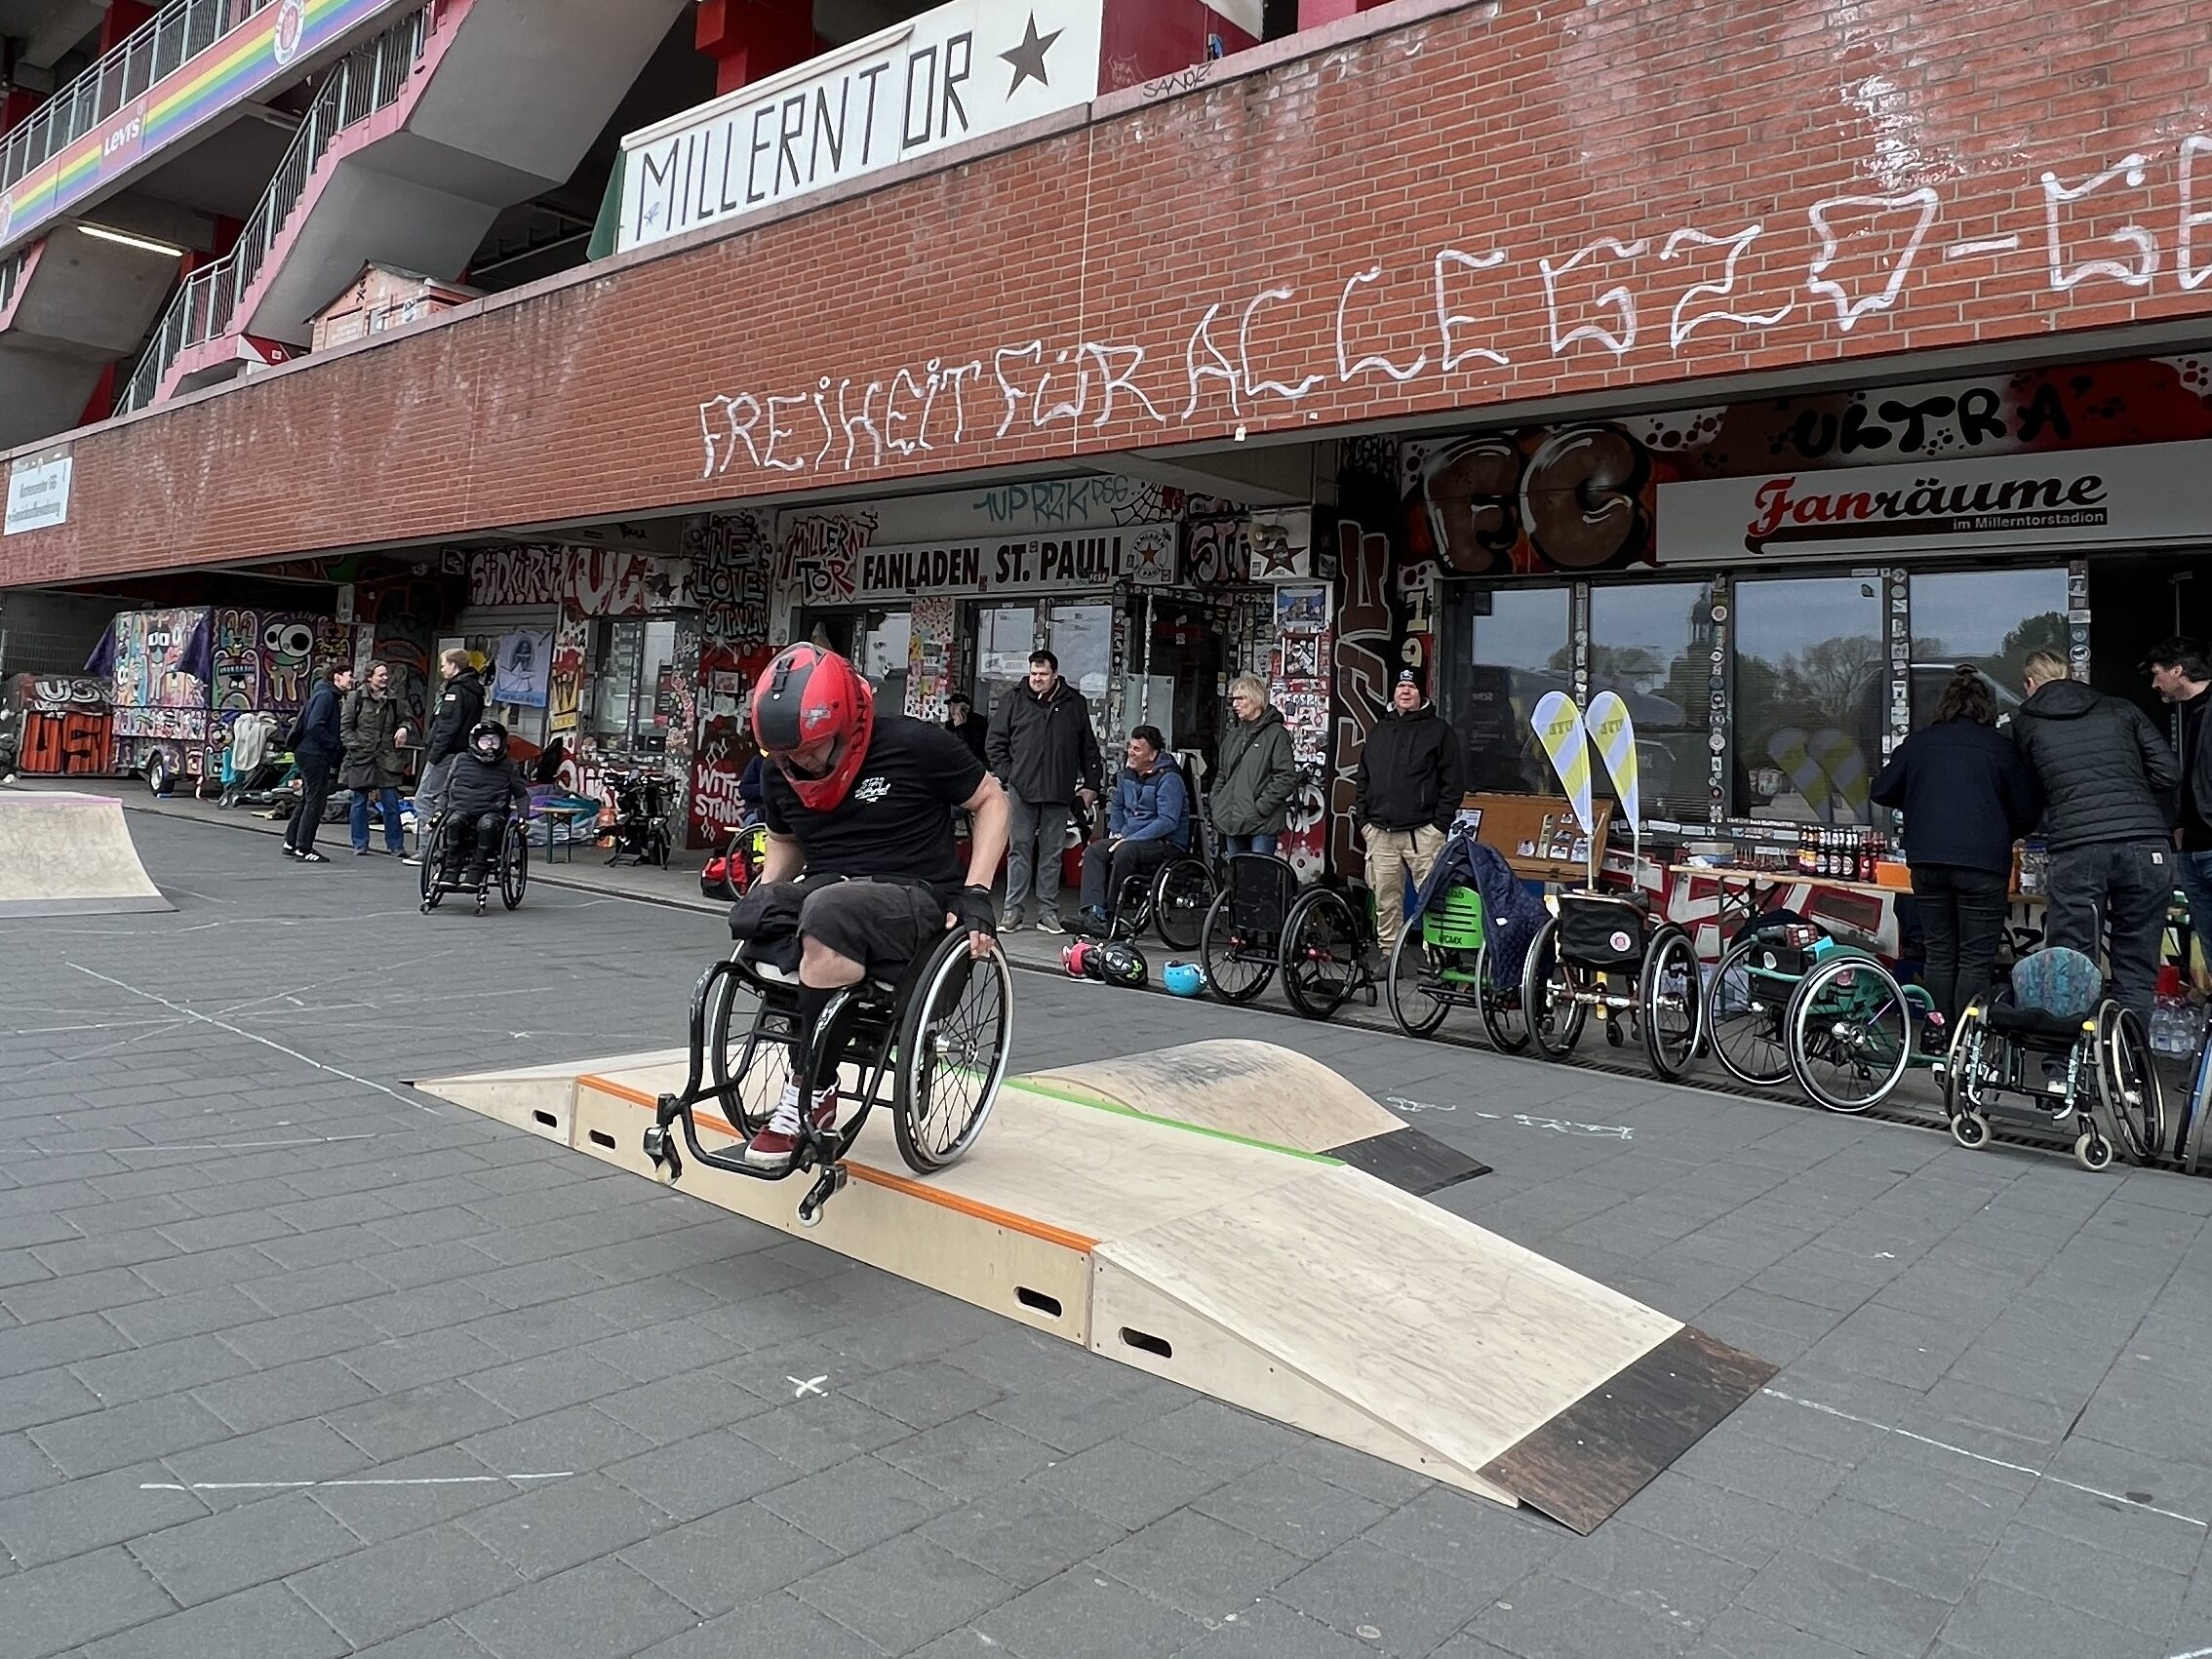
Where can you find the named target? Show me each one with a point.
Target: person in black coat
(1045, 752)
(1408, 789)
(316, 754)
(970, 727)
(483, 788)
(1967, 795)
(2105, 775)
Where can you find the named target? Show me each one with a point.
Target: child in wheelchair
(484, 790)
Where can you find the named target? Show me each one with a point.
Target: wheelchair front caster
(1970, 1130)
(827, 1185)
(661, 1150)
(2093, 1152)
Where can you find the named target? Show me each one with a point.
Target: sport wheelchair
(1443, 959)
(941, 1034)
(1242, 940)
(2059, 1049)
(1607, 953)
(509, 872)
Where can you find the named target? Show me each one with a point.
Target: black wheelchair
(640, 829)
(941, 1034)
(1240, 941)
(508, 872)
(1605, 954)
(2048, 1044)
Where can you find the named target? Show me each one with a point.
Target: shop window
(885, 644)
(1515, 647)
(1651, 644)
(1811, 698)
(1082, 637)
(633, 685)
(1004, 636)
(1991, 618)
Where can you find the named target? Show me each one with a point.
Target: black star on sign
(1028, 59)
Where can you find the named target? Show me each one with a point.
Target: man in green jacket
(1258, 776)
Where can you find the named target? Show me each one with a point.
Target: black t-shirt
(896, 821)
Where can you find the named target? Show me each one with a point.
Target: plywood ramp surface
(537, 1098)
(1233, 1087)
(63, 854)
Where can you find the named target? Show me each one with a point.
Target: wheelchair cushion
(2057, 982)
(2037, 1026)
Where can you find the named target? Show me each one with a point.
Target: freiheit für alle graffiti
(1614, 297)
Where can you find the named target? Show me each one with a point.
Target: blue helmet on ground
(1184, 978)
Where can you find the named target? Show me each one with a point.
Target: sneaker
(1011, 922)
(772, 1148)
(1048, 923)
(310, 858)
(360, 852)
(412, 859)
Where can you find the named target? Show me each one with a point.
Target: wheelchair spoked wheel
(1321, 953)
(1667, 998)
(1237, 967)
(1416, 979)
(1180, 900)
(1551, 995)
(1504, 1021)
(433, 856)
(1743, 1014)
(2127, 1085)
(1850, 1033)
(953, 1043)
(749, 1068)
(514, 868)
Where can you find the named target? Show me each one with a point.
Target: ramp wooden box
(1140, 1209)
(63, 854)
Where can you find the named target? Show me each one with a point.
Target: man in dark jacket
(1407, 792)
(970, 727)
(483, 788)
(2102, 767)
(2180, 674)
(1259, 776)
(316, 755)
(1044, 749)
(1147, 823)
(461, 705)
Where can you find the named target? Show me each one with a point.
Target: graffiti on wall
(530, 574)
(1218, 551)
(1645, 293)
(820, 555)
(725, 750)
(732, 557)
(572, 640)
(1077, 502)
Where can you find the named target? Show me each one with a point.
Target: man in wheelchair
(481, 791)
(860, 846)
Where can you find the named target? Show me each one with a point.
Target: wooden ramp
(63, 854)
(1142, 1209)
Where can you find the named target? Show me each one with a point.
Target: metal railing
(181, 32)
(370, 78)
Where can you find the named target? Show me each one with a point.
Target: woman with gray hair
(1258, 775)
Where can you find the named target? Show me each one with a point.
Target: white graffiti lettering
(1619, 295)
(2184, 250)
(2135, 272)
(1032, 352)
(1680, 327)
(1447, 316)
(1221, 368)
(1924, 202)
(1253, 388)
(1345, 368)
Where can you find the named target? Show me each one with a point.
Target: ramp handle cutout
(1036, 1299)
(600, 1137)
(547, 1119)
(1148, 1343)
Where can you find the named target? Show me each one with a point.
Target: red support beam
(101, 404)
(750, 40)
(17, 105)
(125, 17)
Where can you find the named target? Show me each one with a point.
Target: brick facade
(1473, 207)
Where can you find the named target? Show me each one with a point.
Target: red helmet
(804, 695)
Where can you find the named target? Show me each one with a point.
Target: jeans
(314, 796)
(388, 802)
(1394, 858)
(2195, 872)
(429, 797)
(1104, 873)
(1263, 844)
(1040, 830)
(2125, 886)
(1961, 920)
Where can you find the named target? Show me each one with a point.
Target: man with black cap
(1407, 792)
(2181, 675)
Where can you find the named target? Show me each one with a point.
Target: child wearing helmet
(856, 802)
(480, 790)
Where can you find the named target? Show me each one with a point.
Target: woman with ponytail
(1967, 795)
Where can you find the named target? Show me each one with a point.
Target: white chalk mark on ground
(1995, 1462)
(812, 1385)
(252, 1037)
(1527, 1120)
(71, 1151)
(359, 1481)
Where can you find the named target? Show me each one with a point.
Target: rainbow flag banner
(241, 64)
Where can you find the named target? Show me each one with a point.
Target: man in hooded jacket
(1407, 791)
(2103, 769)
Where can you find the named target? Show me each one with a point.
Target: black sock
(813, 1001)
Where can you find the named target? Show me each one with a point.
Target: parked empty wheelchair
(1606, 955)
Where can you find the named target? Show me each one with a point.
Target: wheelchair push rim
(1745, 1018)
(952, 1044)
(514, 869)
(1667, 1001)
(2128, 1088)
(1322, 948)
(1551, 995)
(1850, 1027)
(1181, 898)
(1238, 965)
(1414, 985)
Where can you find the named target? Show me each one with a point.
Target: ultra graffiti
(1616, 295)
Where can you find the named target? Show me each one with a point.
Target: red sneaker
(772, 1148)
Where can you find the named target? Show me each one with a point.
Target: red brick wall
(1522, 143)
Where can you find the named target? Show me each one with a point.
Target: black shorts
(886, 926)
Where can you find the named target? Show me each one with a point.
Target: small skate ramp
(63, 854)
(1275, 1276)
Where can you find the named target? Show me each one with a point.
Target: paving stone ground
(295, 1362)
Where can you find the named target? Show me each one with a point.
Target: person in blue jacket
(1966, 794)
(1148, 822)
(320, 744)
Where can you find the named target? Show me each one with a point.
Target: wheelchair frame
(878, 1028)
(509, 873)
(2114, 1103)
(1434, 960)
(1558, 993)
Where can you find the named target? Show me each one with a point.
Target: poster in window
(1301, 610)
(523, 668)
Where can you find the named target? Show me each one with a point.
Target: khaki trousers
(1395, 857)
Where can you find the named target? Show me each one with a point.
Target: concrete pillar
(750, 40)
